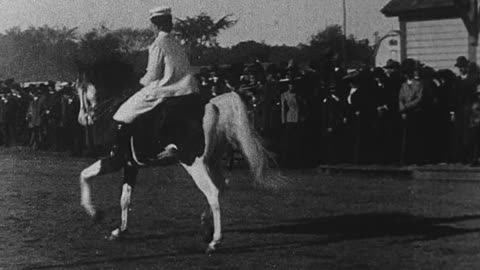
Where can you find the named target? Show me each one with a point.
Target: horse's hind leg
(129, 181)
(102, 166)
(198, 171)
(218, 178)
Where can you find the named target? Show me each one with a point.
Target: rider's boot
(170, 151)
(120, 147)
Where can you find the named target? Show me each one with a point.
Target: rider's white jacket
(168, 74)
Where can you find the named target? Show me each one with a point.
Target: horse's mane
(115, 80)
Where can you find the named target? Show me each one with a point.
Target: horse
(224, 121)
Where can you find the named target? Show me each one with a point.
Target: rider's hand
(452, 117)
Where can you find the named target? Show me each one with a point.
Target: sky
(274, 22)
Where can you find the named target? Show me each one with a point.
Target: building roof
(406, 7)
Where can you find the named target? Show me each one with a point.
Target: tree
(98, 43)
(200, 32)
(133, 40)
(330, 40)
(249, 51)
(38, 53)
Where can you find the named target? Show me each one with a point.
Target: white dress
(168, 74)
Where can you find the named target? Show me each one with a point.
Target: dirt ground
(318, 222)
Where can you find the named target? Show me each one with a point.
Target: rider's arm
(154, 67)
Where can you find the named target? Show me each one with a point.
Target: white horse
(225, 121)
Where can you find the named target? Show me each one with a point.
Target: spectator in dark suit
(11, 107)
(360, 113)
(474, 130)
(466, 86)
(36, 118)
(393, 83)
(3, 117)
(292, 119)
(412, 113)
(52, 115)
(445, 104)
(70, 129)
(384, 114)
(332, 127)
(271, 104)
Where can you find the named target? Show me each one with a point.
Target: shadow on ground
(327, 230)
(372, 225)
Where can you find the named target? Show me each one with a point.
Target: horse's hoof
(212, 247)
(210, 250)
(112, 237)
(98, 216)
(116, 235)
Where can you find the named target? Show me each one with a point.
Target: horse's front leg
(99, 167)
(129, 181)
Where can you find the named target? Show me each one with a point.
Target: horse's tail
(236, 127)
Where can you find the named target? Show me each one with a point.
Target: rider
(168, 75)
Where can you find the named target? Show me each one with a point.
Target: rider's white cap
(160, 11)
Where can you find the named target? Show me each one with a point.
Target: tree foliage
(52, 53)
(199, 35)
(202, 30)
(332, 41)
(36, 53)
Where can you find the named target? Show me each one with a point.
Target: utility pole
(344, 43)
(344, 18)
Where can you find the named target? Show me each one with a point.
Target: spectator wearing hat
(35, 118)
(360, 114)
(70, 129)
(8, 112)
(271, 105)
(3, 117)
(412, 113)
(11, 108)
(52, 117)
(292, 119)
(332, 126)
(392, 84)
(465, 91)
(383, 126)
(335, 73)
(435, 144)
(474, 130)
(444, 81)
(392, 81)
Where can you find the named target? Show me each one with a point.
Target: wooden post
(403, 39)
(469, 14)
(344, 43)
(472, 47)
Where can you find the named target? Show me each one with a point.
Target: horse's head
(103, 86)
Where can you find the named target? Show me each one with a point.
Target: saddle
(178, 121)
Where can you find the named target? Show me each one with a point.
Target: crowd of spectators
(403, 113)
(41, 116)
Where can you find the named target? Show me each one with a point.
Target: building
(436, 32)
(388, 48)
